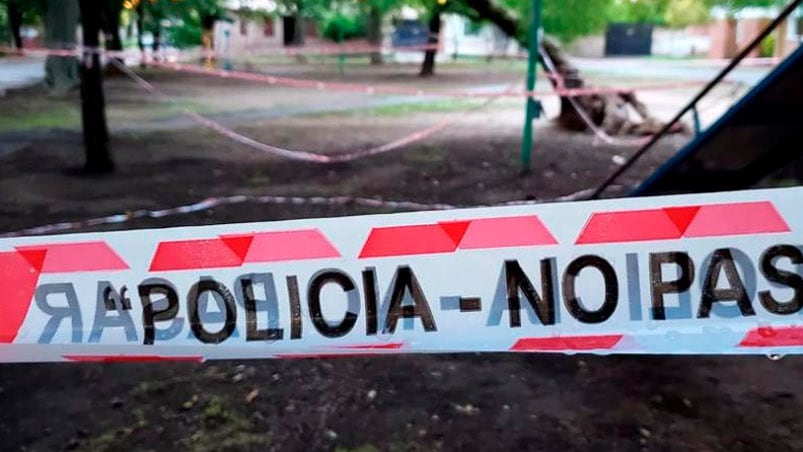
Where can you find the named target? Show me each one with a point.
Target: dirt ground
(415, 403)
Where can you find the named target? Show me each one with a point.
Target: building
(459, 36)
(248, 33)
(730, 32)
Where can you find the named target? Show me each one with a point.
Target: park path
(18, 73)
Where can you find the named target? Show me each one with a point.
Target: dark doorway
(289, 32)
(628, 39)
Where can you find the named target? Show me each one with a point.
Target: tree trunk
(141, 26)
(208, 38)
(111, 28)
(375, 32)
(111, 25)
(298, 31)
(141, 32)
(15, 22)
(428, 67)
(157, 38)
(490, 10)
(93, 109)
(610, 112)
(60, 20)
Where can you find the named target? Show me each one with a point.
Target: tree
(93, 105)
(111, 24)
(641, 11)
(18, 13)
(606, 111)
(60, 19)
(209, 12)
(567, 19)
(376, 10)
(428, 66)
(14, 12)
(682, 13)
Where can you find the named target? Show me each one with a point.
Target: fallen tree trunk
(613, 113)
(610, 112)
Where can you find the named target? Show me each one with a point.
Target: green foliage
(569, 19)
(5, 33)
(682, 13)
(735, 5)
(184, 18)
(185, 32)
(337, 26)
(767, 48)
(639, 11)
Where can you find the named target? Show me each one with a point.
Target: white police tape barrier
(715, 273)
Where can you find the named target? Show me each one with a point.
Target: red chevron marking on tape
(737, 219)
(769, 337)
(235, 250)
(329, 355)
(673, 223)
(19, 283)
(73, 257)
(289, 245)
(388, 346)
(407, 240)
(130, 358)
(560, 343)
(449, 236)
(194, 254)
(506, 232)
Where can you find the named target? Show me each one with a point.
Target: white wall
(683, 42)
(457, 38)
(250, 36)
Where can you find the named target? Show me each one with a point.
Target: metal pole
(532, 106)
(696, 118)
(789, 9)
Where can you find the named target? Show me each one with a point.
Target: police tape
(372, 89)
(219, 201)
(307, 156)
(65, 49)
(703, 274)
(412, 91)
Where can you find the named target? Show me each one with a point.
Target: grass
(405, 109)
(42, 112)
(57, 116)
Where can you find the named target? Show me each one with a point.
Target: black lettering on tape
(150, 315)
(722, 260)
(58, 314)
(314, 301)
(575, 305)
(516, 281)
(404, 282)
(659, 287)
(295, 307)
(470, 304)
(108, 301)
(369, 287)
(783, 277)
(221, 294)
(252, 331)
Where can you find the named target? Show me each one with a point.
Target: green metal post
(532, 106)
